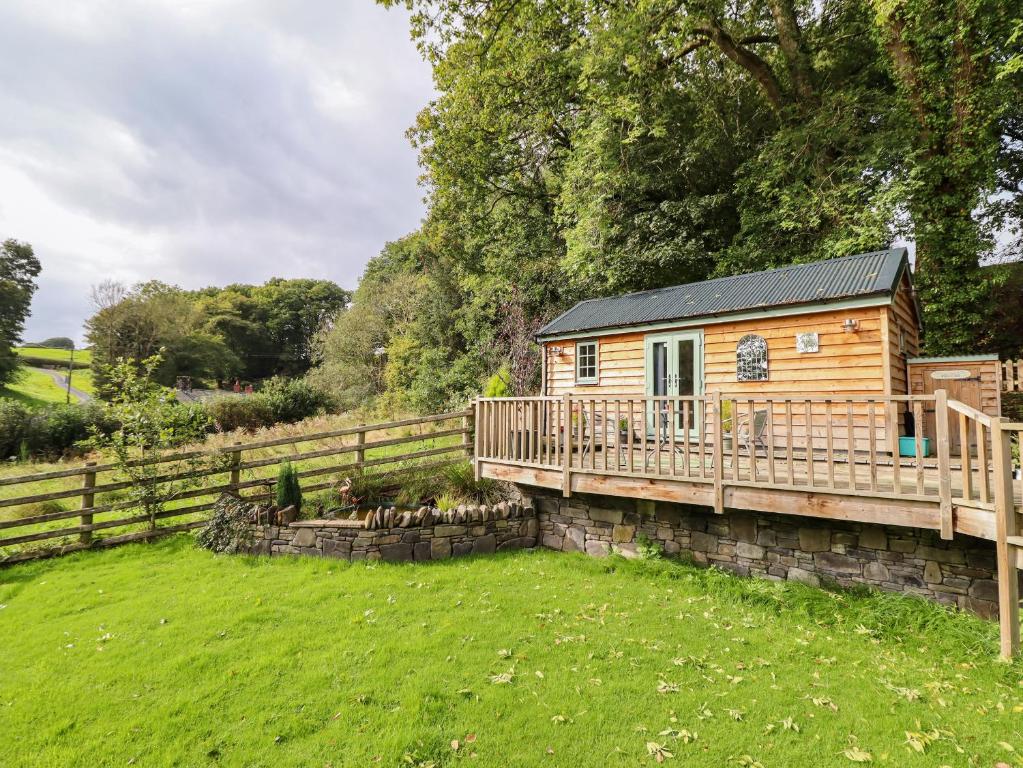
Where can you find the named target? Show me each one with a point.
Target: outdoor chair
(752, 438)
(596, 426)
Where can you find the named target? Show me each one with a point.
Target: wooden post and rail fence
(448, 435)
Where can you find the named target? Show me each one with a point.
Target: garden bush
(288, 493)
(50, 431)
(290, 400)
(228, 529)
(231, 413)
(280, 401)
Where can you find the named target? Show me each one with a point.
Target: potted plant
(623, 430)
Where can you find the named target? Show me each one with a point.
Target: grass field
(83, 356)
(166, 655)
(34, 388)
(81, 379)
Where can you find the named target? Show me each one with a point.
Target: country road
(61, 381)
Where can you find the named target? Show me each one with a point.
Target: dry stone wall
(514, 527)
(959, 572)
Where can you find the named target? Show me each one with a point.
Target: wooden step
(1014, 541)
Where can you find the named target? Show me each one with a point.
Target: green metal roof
(820, 282)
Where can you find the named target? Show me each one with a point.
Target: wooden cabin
(841, 327)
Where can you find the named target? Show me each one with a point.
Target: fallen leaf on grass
(658, 752)
(857, 755)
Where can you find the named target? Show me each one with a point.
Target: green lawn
(81, 379)
(34, 388)
(166, 655)
(83, 356)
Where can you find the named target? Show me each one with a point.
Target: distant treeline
(247, 332)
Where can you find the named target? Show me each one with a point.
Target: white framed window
(586, 362)
(751, 358)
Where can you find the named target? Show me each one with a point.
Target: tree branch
(745, 58)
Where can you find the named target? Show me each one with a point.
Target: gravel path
(61, 381)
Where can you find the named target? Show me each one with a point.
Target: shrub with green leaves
(150, 424)
(288, 492)
(247, 413)
(51, 431)
(290, 400)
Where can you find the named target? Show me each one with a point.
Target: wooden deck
(832, 458)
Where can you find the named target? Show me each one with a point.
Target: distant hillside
(49, 357)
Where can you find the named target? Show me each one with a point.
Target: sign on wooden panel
(957, 374)
(808, 342)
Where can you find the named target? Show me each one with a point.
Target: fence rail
(223, 476)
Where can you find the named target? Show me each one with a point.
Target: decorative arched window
(751, 358)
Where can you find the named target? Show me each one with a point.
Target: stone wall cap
(328, 524)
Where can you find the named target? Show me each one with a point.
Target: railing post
(944, 461)
(718, 462)
(566, 481)
(477, 469)
(1005, 526)
(236, 472)
(88, 502)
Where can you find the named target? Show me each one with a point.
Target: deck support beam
(1005, 526)
(717, 463)
(944, 462)
(566, 483)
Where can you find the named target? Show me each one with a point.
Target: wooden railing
(848, 445)
(95, 484)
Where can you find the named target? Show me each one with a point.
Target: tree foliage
(19, 269)
(584, 148)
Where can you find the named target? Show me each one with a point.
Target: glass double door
(674, 368)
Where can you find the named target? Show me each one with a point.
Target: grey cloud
(257, 140)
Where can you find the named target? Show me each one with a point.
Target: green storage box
(907, 446)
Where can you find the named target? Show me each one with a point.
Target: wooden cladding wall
(903, 336)
(847, 363)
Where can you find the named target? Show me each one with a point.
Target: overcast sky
(203, 142)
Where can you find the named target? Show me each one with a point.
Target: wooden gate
(970, 379)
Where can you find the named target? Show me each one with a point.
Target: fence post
(360, 454)
(566, 481)
(236, 472)
(944, 461)
(88, 502)
(1005, 526)
(718, 460)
